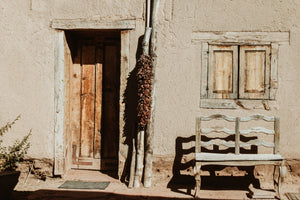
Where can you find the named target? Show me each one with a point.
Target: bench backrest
(237, 132)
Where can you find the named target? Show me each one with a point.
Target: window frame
(206, 38)
(207, 100)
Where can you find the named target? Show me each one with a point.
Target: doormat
(293, 196)
(84, 185)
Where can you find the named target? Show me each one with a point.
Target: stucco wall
(178, 74)
(27, 62)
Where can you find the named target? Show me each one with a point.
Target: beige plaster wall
(27, 62)
(178, 73)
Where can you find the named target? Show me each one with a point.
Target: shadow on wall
(183, 180)
(179, 181)
(130, 114)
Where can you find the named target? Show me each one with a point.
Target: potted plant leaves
(9, 157)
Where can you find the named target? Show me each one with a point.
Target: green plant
(10, 155)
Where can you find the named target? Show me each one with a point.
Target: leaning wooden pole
(141, 131)
(132, 165)
(150, 126)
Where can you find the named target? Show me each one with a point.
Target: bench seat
(206, 157)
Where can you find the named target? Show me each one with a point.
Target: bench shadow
(180, 181)
(183, 180)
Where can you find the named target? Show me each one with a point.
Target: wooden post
(132, 165)
(146, 40)
(237, 136)
(139, 159)
(59, 74)
(141, 133)
(150, 126)
(276, 136)
(198, 135)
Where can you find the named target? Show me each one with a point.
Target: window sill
(235, 104)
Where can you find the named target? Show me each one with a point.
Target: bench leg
(279, 174)
(276, 177)
(197, 179)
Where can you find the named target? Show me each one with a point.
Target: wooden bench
(237, 158)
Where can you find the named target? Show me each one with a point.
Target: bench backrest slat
(257, 117)
(257, 142)
(257, 130)
(217, 130)
(218, 116)
(219, 141)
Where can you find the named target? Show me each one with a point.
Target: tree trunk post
(150, 126)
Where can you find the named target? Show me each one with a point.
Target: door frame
(62, 148)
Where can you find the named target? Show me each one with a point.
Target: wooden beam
(218, 103)
(204, 70)
(71, 24)
(274, 70)
(198, 135)
(59, 104)
(124, 71)
(242, 163)
(276, 136)
(217, 157)
(241, 37)
(150, 126)
(237, 136)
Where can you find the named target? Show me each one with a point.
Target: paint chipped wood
(204, 70)
(242, 37)
(150, 126)
(274, 70)
(238, 159)
(124, 72)
(59, 104)
(98, 102)
(254, 73)
(222, 72)
(234, 157)
(70, 24)
(87, 101)
(75, 113)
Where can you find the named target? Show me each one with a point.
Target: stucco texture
(27, 62)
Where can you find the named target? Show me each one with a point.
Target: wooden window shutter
(274, 70)
(254, 82)
(223, 72)
(204, 70)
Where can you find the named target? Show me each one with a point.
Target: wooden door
(93, 92)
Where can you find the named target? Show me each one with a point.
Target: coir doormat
(84, 185)
(293, 196)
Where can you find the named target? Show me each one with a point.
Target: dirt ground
(228, 183)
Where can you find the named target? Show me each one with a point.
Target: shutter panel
(223, 70)
(204, 70)
(254, 72)
(87, 100)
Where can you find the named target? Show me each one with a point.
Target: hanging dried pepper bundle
(144, 79)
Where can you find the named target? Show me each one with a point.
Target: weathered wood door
(94, 95)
